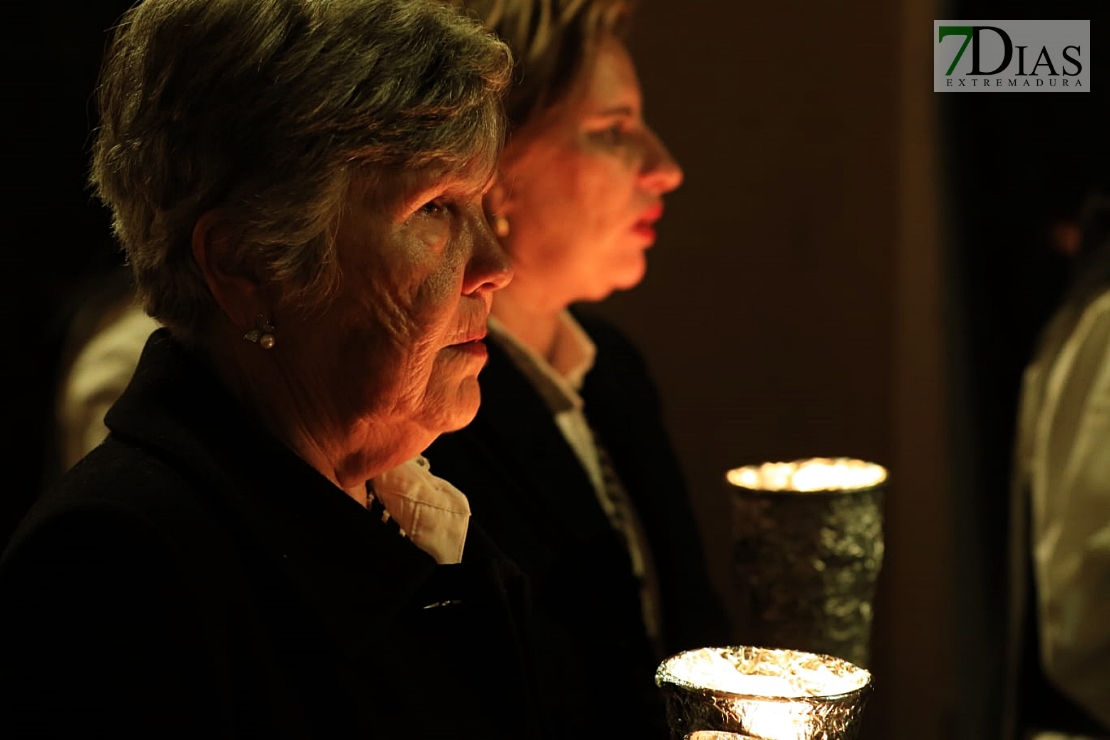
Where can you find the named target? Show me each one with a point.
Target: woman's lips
(652, 214)
(471, 342)
(645, 227)
(473, 347)
(471, 335)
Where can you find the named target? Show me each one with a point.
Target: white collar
(431, 512)
(560, 380)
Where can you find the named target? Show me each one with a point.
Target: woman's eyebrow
(417, 191)
(615, 111)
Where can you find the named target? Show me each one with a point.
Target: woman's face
(584, 188)
(393, 360)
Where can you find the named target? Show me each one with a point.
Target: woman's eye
(613, 135)
(434, 208)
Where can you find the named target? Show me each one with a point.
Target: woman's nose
(661, 173)
(489, 268)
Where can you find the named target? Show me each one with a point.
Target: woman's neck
(346, 453)
(534, 322)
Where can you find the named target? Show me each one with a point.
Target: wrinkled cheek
(415, 377)
(403, 338)
(369, 368)
(452, 394)
(355, 376)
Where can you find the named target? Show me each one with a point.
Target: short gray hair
(266, 110)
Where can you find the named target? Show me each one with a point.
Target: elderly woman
(298, 186)
(568, 464)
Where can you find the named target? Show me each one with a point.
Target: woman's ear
(496, 200)
(498, 208)
(233, 282)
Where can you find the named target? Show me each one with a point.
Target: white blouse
(1063, 457)
(559, 381)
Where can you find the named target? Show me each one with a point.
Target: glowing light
(812, 475)
(785, 674)
(771, 694)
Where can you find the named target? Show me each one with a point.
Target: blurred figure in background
(1060, 539)
(568, 463)
(101, 348)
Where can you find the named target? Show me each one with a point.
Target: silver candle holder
(807, 551)
(762, 694)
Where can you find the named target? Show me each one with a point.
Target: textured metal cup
(807, 554)
(699, 706)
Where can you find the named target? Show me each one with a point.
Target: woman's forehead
(393, 188)
(470, 178)
(610, 80)
(606, 85)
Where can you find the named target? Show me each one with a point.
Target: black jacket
(193, 578)
(529, 491)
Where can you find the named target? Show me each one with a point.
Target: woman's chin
(626, 279)
(464, 407)
(627, 276)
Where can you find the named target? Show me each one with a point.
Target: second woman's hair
(551, 42)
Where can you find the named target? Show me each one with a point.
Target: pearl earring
(262, 334)
(500, 226)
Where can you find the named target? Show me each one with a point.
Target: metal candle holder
(807, 551)
(762, 694)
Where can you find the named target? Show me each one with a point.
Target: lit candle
(815, 474)
(765, 693)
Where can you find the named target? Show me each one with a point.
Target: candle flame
(771, 694)
(814, 474)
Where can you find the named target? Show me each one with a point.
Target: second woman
(568, 464)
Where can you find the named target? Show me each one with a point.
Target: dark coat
(193, 578)
(529, 491)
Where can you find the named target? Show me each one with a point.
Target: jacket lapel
(523, 436)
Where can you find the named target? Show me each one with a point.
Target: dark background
(855, 266)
